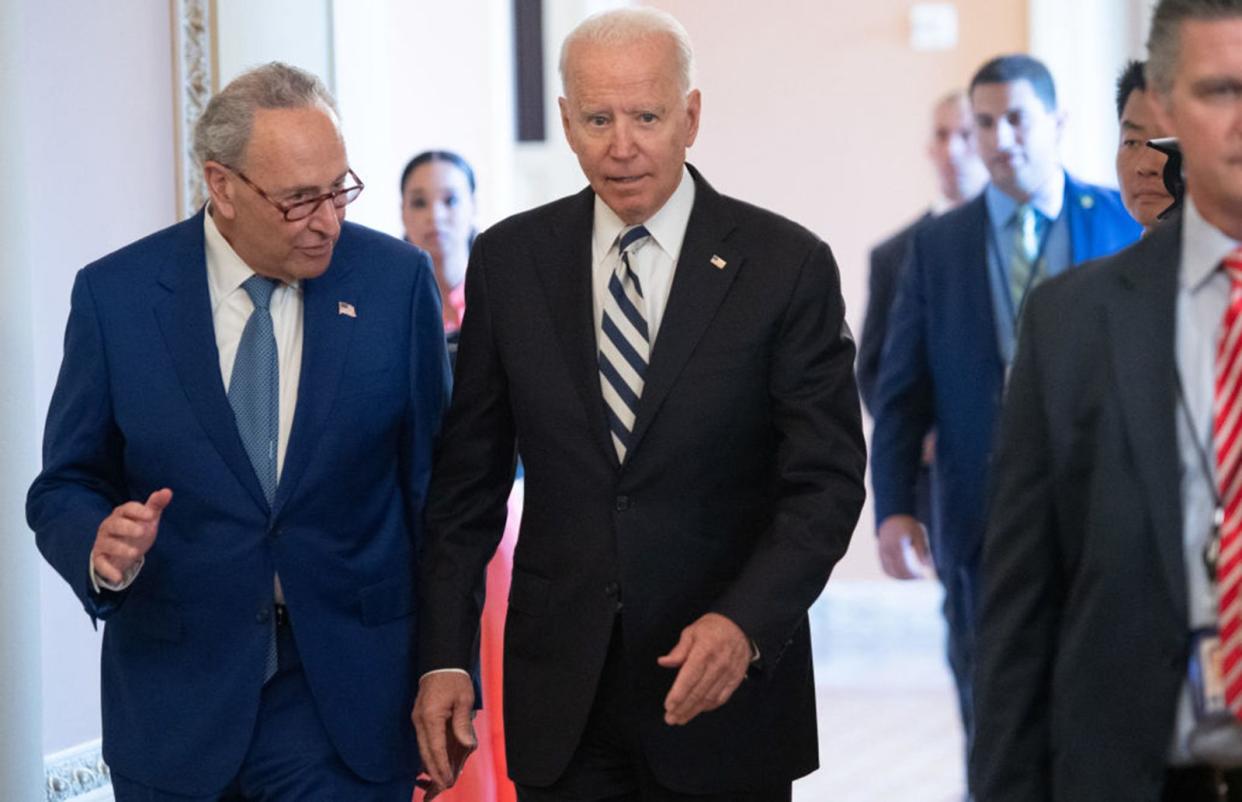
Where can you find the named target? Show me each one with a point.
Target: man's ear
(220, 188)
(565, 124)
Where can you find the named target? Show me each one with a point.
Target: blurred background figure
(960, 175)
(953, 330)
(438, 214)
(1140, 169)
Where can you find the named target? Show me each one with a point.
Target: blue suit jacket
(140, 405)
(942, 367)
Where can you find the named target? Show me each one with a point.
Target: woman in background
(438, 213)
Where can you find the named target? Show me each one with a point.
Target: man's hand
(898, 534)
(711, 657)
(443, 719)
(126, 535)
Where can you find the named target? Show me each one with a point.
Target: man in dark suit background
(674, 369)
(951, 334)
(1101, 580)
(960, 175)
(235, 464)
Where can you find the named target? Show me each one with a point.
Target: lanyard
(1037, 265)
(1211, 549)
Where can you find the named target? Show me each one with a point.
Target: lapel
(1142, 332)
(971, 237)
(697, 290)
(184, 316)
(1079, 205)
(564, 268)
(326, 335)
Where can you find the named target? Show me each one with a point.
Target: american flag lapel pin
(718, 263)
(347, 309)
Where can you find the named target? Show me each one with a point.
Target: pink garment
(486, 776)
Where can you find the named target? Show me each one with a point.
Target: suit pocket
(386, 601)
(529, 592)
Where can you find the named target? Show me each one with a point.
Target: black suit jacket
(740, 492)
(887, 260)
(1083, 636)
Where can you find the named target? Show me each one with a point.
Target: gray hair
(223, 131)
(627, 25)
(1164, 42)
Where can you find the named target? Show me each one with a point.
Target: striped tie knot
(632, 236)
(1232, 265)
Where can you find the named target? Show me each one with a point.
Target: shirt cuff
(100, 584)
(461, 671)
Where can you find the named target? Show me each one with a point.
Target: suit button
(263, 616)
(623, 503)
(612, 590)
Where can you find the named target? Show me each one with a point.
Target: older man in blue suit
(952, 336)
(235, 465)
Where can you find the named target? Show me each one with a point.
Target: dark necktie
(624, 344)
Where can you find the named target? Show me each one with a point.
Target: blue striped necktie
(624, 343)
(254, 395)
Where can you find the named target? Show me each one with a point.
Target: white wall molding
(79, 774)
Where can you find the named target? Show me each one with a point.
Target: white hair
(223, 131)
(627, 25)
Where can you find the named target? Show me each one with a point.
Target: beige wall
(819, 111)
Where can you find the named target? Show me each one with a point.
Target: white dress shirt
(1202, 297)
(653, 263)
(230, 309)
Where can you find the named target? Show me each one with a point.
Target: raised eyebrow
(1130, 125)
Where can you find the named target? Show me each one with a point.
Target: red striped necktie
(1228, 443)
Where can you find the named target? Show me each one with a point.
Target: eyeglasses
(303, 209)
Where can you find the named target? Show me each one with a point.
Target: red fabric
(486, 776)
(1227, 423)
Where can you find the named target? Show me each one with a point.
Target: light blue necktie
(254, 394)
(624, 344)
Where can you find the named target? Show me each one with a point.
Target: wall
(419, 76)
(98, 139)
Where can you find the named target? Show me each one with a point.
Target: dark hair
(1019, 67)
(1131, 80)
(437, 156)
(1164, 39)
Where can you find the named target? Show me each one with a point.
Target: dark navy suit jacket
(942, 367)
(140, 405)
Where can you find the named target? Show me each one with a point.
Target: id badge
(1206, 674)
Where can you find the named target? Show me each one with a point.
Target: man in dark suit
(674, 369)
(951, 335)
(235, 465)
(1109, 628)
(960, 175)
(1140, 169)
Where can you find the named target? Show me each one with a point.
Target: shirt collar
(667, 227)
(226, 271)
(1203, 247)
(1048, 200)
